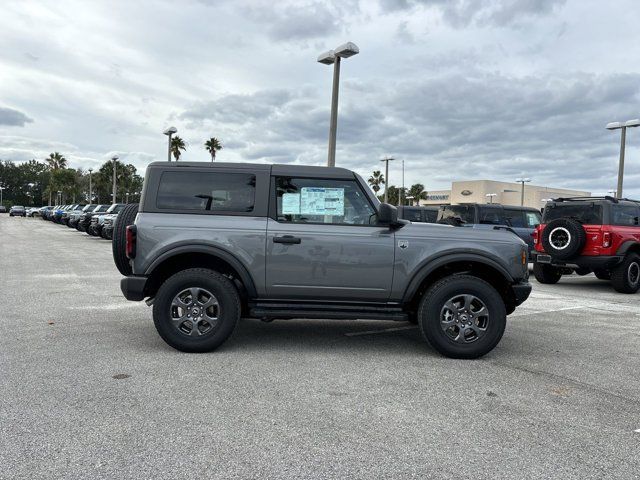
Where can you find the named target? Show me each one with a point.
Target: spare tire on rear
(125, 218)
(563, 238)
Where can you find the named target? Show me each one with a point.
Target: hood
(436, 230)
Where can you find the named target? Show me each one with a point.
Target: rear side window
(532, 219)
(586, 213)
(207, 191)
(466, 213)
(625, 215)
(412, 214)
(491, 216)
(514, 218)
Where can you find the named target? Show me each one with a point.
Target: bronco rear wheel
(462, 316)
(547, 274)
(196, 310)
(625, 278)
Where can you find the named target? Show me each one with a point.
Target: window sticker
(291, 204)
(322, 201)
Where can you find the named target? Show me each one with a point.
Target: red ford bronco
(589, 234)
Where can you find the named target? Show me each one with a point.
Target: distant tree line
(397, 195)
(36, 183)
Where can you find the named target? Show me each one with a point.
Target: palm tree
(56, 161)
(418, 193)
(376, 181)
(177, 144)
(213, 145)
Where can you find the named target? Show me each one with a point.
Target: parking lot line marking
(637, 431)
(370, 332)
(537, 312)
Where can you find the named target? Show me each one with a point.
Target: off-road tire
(229, 313)
(118, 245)
(625, 278)
(547, 274)
(602, 274)
(431, 310)
(576, 238)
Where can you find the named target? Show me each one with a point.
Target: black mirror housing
(388, 215)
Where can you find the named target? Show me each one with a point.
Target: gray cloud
(12, 117)
(461, 13)
(294, 21)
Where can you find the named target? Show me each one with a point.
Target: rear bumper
(602, 262)
(521, 291)
(133, 288)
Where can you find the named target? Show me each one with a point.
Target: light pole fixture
(90, 192)
(490, 196)
(386, 177)
(623, 139)
(115, 159)
(59, 197)
(126, 197)
(522, 181)
(169, 132)
(345, 50)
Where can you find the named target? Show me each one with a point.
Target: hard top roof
(274, 169)
(605, 199)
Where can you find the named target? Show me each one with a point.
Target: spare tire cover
(563, 238)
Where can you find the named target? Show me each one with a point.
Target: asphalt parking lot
(89, 390)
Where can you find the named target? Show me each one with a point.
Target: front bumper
(600, 262)
(133, 288)
(521, 291)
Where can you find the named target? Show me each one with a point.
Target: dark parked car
(85, 219)
(428, 214)
(522, 220)
(97, 221)
(17, 211)
(3, 209)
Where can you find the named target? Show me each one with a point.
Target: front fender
(431, 265)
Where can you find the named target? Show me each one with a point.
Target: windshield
(467, 213)
(586, 213)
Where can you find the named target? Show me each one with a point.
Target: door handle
(287, 239)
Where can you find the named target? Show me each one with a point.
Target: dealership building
(489, 191)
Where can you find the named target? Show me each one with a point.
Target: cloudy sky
(459, 89)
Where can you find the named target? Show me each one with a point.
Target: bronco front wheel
(462, 316)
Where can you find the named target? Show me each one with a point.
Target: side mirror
(387, 214)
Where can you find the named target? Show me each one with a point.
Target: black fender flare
(429, 266)
(212, 250)
(626, 246)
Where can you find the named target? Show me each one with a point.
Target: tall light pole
(522, 181)
(59, 197)
(400, 199)
(346, 50)
(169, 132)
(90, 192)
(115, 159)
(623, 138)
(386, 177)
(490, 196)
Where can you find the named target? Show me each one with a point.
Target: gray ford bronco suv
(210, 243)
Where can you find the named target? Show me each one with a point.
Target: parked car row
(94, 219)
